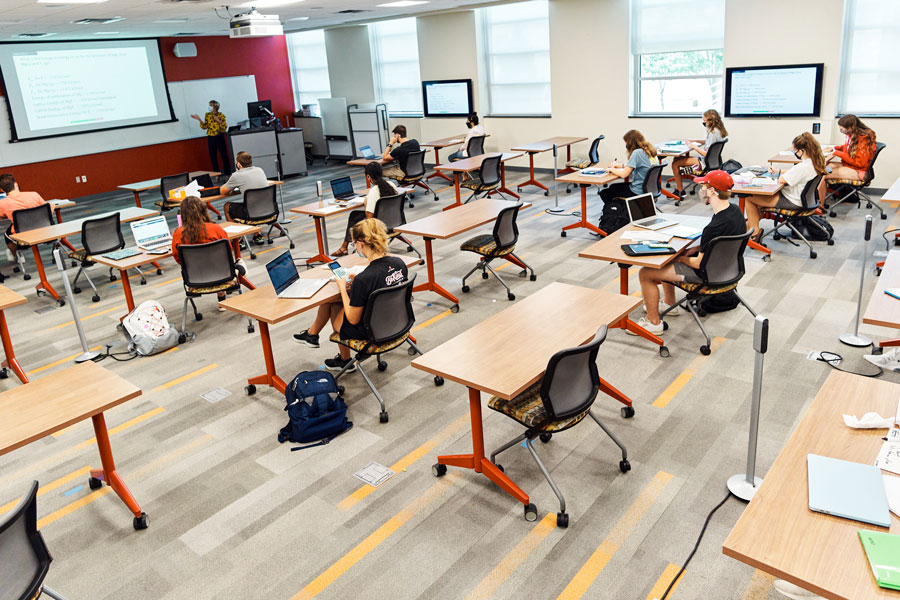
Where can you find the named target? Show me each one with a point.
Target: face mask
(468, 124)
(797, 155)
(359, 253)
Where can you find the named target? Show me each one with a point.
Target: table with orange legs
(8, 299)
(152, 184)
(505, 354)
(473, 163)
(437, 145)
(742, 191)
(584, 182)
(544, 146)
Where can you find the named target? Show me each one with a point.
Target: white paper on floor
(215, 394)
(374, 474)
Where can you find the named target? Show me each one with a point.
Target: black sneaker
(305, 337)
(258, 240)
(337, 363)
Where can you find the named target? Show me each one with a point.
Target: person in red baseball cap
(727, 219)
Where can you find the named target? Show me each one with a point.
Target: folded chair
(415, 174)
(262, 209)
(487, 180)
(852, 189)
(501, 243)
(559, 401)
(389, 210)
(790, 216)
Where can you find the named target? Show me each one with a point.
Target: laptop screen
(367, 152)
(341, 186)
(204, 180)
(282, 272)
(150, 231)
(640, 207)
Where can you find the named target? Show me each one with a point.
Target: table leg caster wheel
(545, 437)
(61, 301)
(627, 412)
(76, 290)
(438, 380)
(664, 351)
(94, 483)
(562, 519)
(95, 298)
(141, 522)
(199, 317)
(438, 470)
(382, 366)
(182, 338)
(383, 417)
(877, 272)
(421, 261)
(704, 350)
(455, 308)
(500, 467)
(547, 193)
(465, 289)
(767, 258)
(531, 513)
(250, 389)
(4, 373)
(624, 466)
(511, 296)
(562, 234)
(250, 329)
(159, 271)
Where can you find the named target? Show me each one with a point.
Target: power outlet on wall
(817, 127)
(77, 179)
(84, 179)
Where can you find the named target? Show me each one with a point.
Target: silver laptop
(286, 280)
(642, 212)
(847, 489)
(367, 152)
(151, 234)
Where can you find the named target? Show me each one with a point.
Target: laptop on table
(847, 489)
(342, 189)
(367, 152)
(642, 212)
(286, 280)
(151, 234)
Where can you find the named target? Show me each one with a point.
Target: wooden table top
(263, 305)
(779, 534)
(882, 309)
(761, 190)
(326, 208)
(9, 298)
(579, 177)
(444, 142)
(237, 196)
(508, 352)
(60, 203)
(60, 230)
(892, 195)
(149, 184)
(361, 162)
(56, 401)
(789, 158)
(545, 145)
(233, 230)
(610, 247)
(474, 162)
(447, 224)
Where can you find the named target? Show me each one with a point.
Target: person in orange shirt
(857, 152)
(15, 200)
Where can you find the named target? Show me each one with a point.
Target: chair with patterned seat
(593, 157)
(501, 243)
(721, 268)
(559, 401)
(389, 210)
(790, 216)
(850, 189)
(487, 180)
(262, 209)
(167, 184)
(711, 162)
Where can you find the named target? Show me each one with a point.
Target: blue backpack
(320, 419)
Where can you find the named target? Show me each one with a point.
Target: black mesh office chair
(387, 319)
(206, 269)
(653, 180)
(487, 180)
(167, 184)
(24, 556)
(415, 174)
(790, 216)
(593, 157)
(262, 209)
(26, 219)
(721, 268)
(475, 147)
(559, 401)
(389, 210)
(98, 236)
(711, 162)
(849, 189)
(499, 244)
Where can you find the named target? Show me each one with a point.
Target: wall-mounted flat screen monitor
(774, 91)
(447, 98)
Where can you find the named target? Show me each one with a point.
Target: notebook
(883, 552)
(847, 489)
(893, 292)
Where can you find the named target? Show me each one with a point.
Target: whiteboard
(233, 93)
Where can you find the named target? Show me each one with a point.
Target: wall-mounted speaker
(185, 50)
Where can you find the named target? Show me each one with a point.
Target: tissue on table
(870, 420)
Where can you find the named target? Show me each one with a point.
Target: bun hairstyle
(811, 148)
(714, 122)
(634, 139)
(372, 233)
(473, 118)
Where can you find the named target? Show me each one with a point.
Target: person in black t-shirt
(399, 150)
(370, 239)
(727, 219)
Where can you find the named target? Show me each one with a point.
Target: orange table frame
(108, 473)
(10, 360)
(501, 189)
(531, 177)
(583, 222)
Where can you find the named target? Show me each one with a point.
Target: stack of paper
(642, 235)
(889, 455)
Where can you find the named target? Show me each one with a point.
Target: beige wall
(591, 96)
(350, 64)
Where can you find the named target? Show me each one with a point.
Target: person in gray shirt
(247, 177)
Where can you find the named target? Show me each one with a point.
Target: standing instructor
(215, 125)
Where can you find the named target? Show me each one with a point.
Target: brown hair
(401, 129)
(193, 219)
(811, 148)
(7, 182)
(714, 122)
(856, 128)
(722, 194)
(244, 159)
(634, 139)
(372, 233)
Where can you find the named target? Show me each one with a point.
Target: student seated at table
(726, 220)
(370, 239)
(715, 132)
(641, 156)
(398, 149)
(380, 187)
(812, 163)
(15, 200)
(856, 153)
(475, 130)
(246, 177)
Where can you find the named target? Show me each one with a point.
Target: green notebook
(883, 552)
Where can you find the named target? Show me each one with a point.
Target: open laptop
(151, 234)
(367, 152)
(847, 489)
(286, 280)
(642, 212)
(342, 189)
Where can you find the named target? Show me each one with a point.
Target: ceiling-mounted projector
(253, 24)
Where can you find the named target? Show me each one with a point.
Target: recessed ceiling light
(33, 35)
(70, 1)
(267, 3)
(299, 19)
(402, 3)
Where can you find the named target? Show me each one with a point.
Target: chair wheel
(546, 437)
(382, 366)
(61, 301)
(438, 470)
(465, 289)
(411, 351)
(627, 412)
(292, 245)
(562, 519)
(95, 298)
(678, 203)
(250, 389)
(701, 313)
(143, 281)
(484, 275)
(500, 467)
(511, 296)
(182, 338)
(438, 380)
(76, 290)
(832, 214)
(664, 352)
(624, 466)
(812, 254)
(547, 193)
(94, 483)
(250, 329)
(199, 317)
(4, 373)
(159, 271)
(877, 271)
(776, 236)
(830, 242)
(454, 309)
(270, 241)
(436, 198)
(112, 277)
(533, 277)
(883, 216)
(252, 256)
(531, 513)
(341, 389)
(383, 417)
(141, 522)
(409, 248)
(767, 258)
(26, 276)
(562, 234)
(704, 350)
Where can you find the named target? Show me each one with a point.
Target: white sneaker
(9, 256)
(889, 361)
(654, 329)
(663, 306)
(789, 590)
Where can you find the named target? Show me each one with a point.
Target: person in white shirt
(812, 162)
(715, 132)
(380, 187)
(475, 130)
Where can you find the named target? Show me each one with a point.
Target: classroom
(248, 353)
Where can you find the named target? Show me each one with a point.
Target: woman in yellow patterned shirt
(215, 125)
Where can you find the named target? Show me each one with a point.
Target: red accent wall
(266, 58)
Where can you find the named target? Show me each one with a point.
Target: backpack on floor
(316, 409)
(614, 215)
(731, 166)
(719, 303)
(808, 227)
(147, 329)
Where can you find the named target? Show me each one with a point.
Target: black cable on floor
(832, 359)
(696, 545)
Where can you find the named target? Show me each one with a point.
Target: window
(516, 58)
(870, 75)
(309, 67)
(677, 46)
(395, 59)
